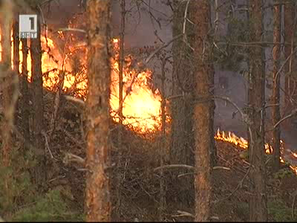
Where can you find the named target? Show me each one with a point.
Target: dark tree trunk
(38, 110)
(98, 149)
(182, 138)
(256, 100)
(24, 99)
(290, 24)
(16, 43)
(203, 109)
(276, 87)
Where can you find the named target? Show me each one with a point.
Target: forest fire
(141, 105)
(243, 144)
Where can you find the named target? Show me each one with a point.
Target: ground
(63, 198)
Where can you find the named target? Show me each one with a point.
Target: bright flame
(141, 108)
(243, 143)
(141, 105)
(0, 45)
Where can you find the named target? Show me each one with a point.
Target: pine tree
(97, 111)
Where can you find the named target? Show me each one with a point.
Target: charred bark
(276, 87)
(256, 101)
(203, 109)
(97, 111)
(38, 109)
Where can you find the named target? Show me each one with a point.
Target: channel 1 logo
(28, 26)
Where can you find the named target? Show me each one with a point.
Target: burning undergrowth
(136, 157)
(133, 173)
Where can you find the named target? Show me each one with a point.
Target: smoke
(147, 22)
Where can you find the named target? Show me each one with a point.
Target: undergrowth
(19, 198)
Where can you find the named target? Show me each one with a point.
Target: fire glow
(141, 105)
(243, 144)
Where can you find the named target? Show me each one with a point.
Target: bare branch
(293, 113)
(187, 167)
(70, 30)
(185, 22)
(175, 166)
(183, 214)
(160, 48)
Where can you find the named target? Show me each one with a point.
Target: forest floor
(138, 181)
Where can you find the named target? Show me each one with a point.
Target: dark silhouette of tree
(38, 108)
(276, 86)
(256, 111)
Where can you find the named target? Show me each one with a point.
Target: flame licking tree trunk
(203, 108)
(98, 108)
(256, 101)
(38, 110)
(276, 86)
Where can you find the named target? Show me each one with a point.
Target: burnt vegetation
(100, 124)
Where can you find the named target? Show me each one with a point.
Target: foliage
(50, 207)
(19, 200)
(15, 183)
(283, 173)
(280, 212)
(242, 209)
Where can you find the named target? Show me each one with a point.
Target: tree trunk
(290, 24)
(120, 110)
(182, 138)
(162, 152)
(203, 108)
(98, 148)
(6, 80)
(276, 87)
(24, 99)
(38, 110)
(256, 100)
(16, 43)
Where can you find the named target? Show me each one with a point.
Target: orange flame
(243, 143)
(141, 105)
(141, 108)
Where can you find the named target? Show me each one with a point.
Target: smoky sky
(147, 23)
